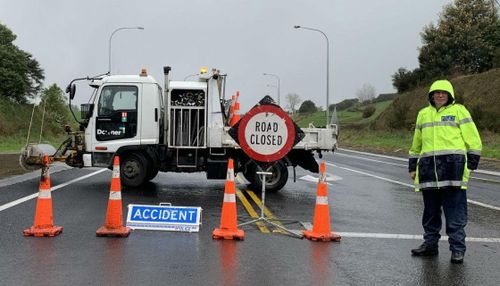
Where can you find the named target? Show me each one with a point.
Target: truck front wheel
(133, 169)
(274, 183)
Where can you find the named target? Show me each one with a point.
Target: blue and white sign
(168, 218)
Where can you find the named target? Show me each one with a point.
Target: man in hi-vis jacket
(446, 148)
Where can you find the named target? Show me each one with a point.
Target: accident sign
(161, 217)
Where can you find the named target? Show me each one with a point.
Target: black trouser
(453, 200)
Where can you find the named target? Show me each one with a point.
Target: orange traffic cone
(236, 111)
(321, 221)
(231, 109)
(114, 222)
(228, 225)
(43, 225)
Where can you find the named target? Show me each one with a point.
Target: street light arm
(111, 37)
(316, 30)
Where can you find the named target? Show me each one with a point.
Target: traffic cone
(43, 225)
(114, 222)
(236, 111)
(231, 109)
(321, 222)
(228, 222)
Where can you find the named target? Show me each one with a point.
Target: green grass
(491, 144)
(13, 144)
(392, 141)
(14, 125)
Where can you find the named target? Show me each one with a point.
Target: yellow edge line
(262, 227)
(267, 212)
(256, 199)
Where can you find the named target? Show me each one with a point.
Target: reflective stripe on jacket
(445, 145)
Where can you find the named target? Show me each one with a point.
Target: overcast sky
(369, 41)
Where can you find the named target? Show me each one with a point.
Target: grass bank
(14, 126)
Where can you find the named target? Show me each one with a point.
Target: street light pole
(327, 66)
(111, 37)
(277, 77)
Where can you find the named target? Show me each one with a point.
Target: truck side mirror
(71, 89)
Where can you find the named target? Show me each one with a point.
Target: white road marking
(374, 155)
(329, 178)
(372, 160)
(410, 186)
(371, 175)
(308, 225)
(411, 236)
(32, 196)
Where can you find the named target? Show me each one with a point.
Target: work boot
(424, 250)
(457, 257)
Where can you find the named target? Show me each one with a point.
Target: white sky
(369, 41)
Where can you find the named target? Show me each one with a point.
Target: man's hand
(413, 174)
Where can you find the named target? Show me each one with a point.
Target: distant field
(345, 117)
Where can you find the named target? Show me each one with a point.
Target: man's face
(440, 98)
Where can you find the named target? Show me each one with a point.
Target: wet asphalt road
(367, 195)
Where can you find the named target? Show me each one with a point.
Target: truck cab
(126, 112)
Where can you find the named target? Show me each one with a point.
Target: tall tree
(293, 100)
(56, 107)
(20, 74)
(464, 41)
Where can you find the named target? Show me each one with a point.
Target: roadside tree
(463, 42)
(307, 107)
(20, 74)
(293, 101)
(56, 108)
(366, 93)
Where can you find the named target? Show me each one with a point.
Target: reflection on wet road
(378, 218)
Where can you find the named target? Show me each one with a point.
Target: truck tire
(133, 170)
(274, 182)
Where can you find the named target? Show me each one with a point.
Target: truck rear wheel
(274, 183)
(133, 169)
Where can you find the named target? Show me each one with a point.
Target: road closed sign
(266, 133)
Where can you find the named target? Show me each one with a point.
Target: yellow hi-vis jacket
(446, 143)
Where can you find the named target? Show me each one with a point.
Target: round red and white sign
(266, 133)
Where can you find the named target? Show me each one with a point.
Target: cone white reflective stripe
(116, 171)
(115, 195)
(44, 194)
(322, 177)
(45, 171)
(321, 200)
(230, 175)
(229, 198)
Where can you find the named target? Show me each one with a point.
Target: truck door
(116, 121)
